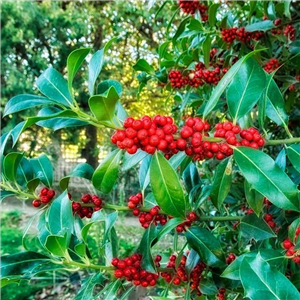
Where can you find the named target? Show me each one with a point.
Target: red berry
(86, 198)
(36, 203)
(118, 273)
(45, 199)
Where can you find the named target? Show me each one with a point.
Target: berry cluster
(271, 65)
(290, 247)
(231, 257)
(234, 33)
(180, 273)
(289, 31)
(130, 269)
(269, 219)
(221, 294)
(190, 7)
(147, 134)
(85, 211)
(190, 218)
(45, 196)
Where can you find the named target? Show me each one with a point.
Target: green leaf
(191, 177)
(145, 249)
(81, 170)
(233, 270)
(260, 281)
(60, 123)
(191, 261)
(110, 220)
(255, 228)
(224, 82)
(245, 89)
(221, 182)
(293, 153)
(33, 184)
(143, 65)
(25, 172)
(206, 50)
(212, 13)
(52, 84)
(104, 106)
(267, 178)
(262, 102)
(43, 169)
(60, 216)
(287, 10)
(254, 198)
(281, 160)
(206, 245)
(166, 187)
(260, 26)
(5, 194)
(16, 266)
(56, 245)
(275, 105)
(97, 216)
(95, 67)
(86, 291)
(22, 102)
(131, 160)
(292, 230)
(144, 173)
(74, 61)
(168, 227)
(105, 85)
(294, 47)
(208, 287)
(111, 290)
(11, 163)
(106, 174)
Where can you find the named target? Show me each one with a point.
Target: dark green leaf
(168, 227)
(295, 47)
(11, 163)
(206, 50)
(221, 182)
(97, 216)
(21, 102)
(56, 245)
(224, 82)
(260, 26)
(281, 160)
(74, 61)
(86, 291)
(143, 65)
(106, 174)
(33, 184)
(43, 169)
(191, 177)
(81, 170)
(212, 12)
(111, 290)
(110, 220)
(287, 10)
(293, 153)
(245, 89)
(52, 84)
(191, 261)
(144, 173)
(208, 287)
(207, 246)
(267, 178)
(262, 102)
(131, 160)
(105, 85)
(104, 107)
(254, 198)
(260, 281)
(255, 228)
(25, 172)
(60, 123)
(95, 67)
(166, 187)
(145, 249)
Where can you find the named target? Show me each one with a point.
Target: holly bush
(219, 175)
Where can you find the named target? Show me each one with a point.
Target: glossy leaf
(260, 26)
(212, 12)
(43, 169)
(275, 105)
(144, 249)
(293, 153)
(224, 82)
(260, 281)
(111, 290)
(52, 84)
(25, 172)
(110, 220)
(60, 123)
(255, 228)
(254, 198)
(206, 245)
(191, 261)
(105, 85)
(267, 178)
(166, 187)
(97, 216)
(60, 216)
(168, 227)
(95, 67)
(208, 287)
(81, 170)
(281, 159)
(10, 165)
(131, 160)
(104, 106)
(191, 177)
(22, 102)
(33, 184)
(233, 270)
(143, 65)
(56, 245)
(106, 174)
(245, 89)
(144, 173)
(206, 50)
(221, 183)
(86, 291)
(74, 61)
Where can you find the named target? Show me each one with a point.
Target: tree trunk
(90, 150)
